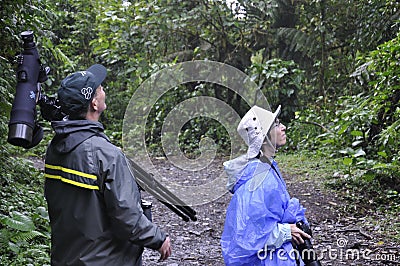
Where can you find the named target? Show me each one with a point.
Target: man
(93, 200)
(261, 217)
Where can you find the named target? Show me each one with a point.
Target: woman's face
(278, 134)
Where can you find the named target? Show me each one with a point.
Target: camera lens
(20, 134)
(27, 36)
(23, 111)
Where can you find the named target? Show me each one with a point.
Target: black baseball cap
(78, 89)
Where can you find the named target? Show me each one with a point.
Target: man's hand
(165, 250)
(298, 234)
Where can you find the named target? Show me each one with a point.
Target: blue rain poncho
(260, 202)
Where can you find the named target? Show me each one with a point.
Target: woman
(261, 217)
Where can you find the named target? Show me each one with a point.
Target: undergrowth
(24, 222)
(363, 197)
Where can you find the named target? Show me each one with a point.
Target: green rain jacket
(93, 200)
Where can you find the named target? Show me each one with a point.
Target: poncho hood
(238, 172)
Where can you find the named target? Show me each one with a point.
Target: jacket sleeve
(123, 204)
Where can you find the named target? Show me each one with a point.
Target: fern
(19, 231)
(5, 236)
(298, 41)
(26, 236)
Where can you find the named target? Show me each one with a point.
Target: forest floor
(345, 232)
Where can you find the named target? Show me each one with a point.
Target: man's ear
(93, 105)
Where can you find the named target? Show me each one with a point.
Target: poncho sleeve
(294, 212)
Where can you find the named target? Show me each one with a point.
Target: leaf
(357, 133)
(343, 129)
(380, 166)
(347, 161)
(382, 153)
(356, 143)
(19, 222)
(368, 177)
(359, 153)
(348, 150)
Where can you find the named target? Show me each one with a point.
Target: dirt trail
(340, 237)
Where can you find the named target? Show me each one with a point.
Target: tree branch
(315, 124)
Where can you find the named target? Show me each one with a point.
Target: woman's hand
(298, 234)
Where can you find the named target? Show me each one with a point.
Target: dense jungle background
(333, 65)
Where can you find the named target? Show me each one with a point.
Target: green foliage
(281, 82)
(18, 239)
(364, 129)
(24, 227)
(384, 102)
(20, 230)
(366, 198)
(303, 55)
(24, 222)
(138, 39)
(329, 34)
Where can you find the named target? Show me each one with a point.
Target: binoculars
(306, 250)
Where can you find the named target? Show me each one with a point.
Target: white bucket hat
(254, 127)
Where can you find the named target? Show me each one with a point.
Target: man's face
(100, 98)
(278, 134)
